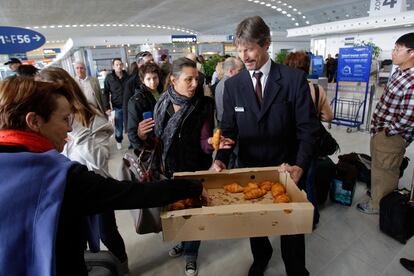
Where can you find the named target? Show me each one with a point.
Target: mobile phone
(147, 115)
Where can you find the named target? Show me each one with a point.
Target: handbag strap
(316, 86)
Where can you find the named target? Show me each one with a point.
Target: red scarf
(28, 139)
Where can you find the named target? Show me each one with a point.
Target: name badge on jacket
(239, 109)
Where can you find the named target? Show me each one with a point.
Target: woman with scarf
(44, 196)
(184, 123)
(88, 143)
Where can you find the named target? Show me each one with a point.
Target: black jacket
(282, 130)
(186, 153)
(131, 86)
(142, 101)
(114, 86)
(87, 193)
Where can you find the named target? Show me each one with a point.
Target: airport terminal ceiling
(63, 19)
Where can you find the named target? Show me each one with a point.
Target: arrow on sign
(37, 38)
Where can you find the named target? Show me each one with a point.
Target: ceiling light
(88, 25)
(296, 24)
(289, 6)
(284, 12)
(307, 22)
(274, 7)
(108, 25)
(268, 5)
(288, 15)
(262, 3)
(52, 26)
(304, 17)
(294, 9)
(256, 1)
(113, 25)
(44, 27)
(67, 26)
(299, 13)
(81, 25)
(279, 9)
(74, 26)
(293, 19)
(284, 4)
(346, 15)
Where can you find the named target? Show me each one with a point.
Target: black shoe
(257, 269)
(407, 264)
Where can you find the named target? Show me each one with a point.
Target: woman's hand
(144, 127)
(294, 171)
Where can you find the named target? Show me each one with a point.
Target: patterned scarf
(167, 132)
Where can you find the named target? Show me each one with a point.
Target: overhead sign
(230, 37)
(183, 38)
(383, 7)
(50, 52)
(354, 64)
(19, 40)
(349, 41)
(20, 56)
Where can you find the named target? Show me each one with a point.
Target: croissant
(278, 189)
(266, 185)
(233, 188)
(283, 198)
(216, 139)
(254, 193)
(250, 186)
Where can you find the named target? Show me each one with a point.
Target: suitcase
(397, 214)
(102, 263)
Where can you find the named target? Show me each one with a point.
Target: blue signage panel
(19, 40)
(354, 64)
(316, 67)
(183, 38)
(50, 52)
(20, 56)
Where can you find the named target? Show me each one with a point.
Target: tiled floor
(345, 243)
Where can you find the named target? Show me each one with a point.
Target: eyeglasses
(399, 49)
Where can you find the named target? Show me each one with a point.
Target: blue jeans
(190, 250)
(119, 124)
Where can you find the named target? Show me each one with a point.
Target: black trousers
(293, 253)
(110, 235)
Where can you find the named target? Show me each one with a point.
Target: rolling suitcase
(397, 214)
(102, 263)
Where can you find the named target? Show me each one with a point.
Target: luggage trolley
(349, 110)
(351, 87)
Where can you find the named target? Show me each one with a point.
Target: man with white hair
(89, 85)
(231, 67)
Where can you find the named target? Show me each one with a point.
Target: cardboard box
(240, 218)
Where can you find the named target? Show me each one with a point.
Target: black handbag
(326, 144)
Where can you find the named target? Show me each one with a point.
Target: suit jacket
(97, 89)
(283, 130)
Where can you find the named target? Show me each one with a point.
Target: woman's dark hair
(298, 60)
(20, 95)
(133, 69)
(178, 65)
(150, 68)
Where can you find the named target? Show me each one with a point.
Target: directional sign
(19, 40)
(183, 38)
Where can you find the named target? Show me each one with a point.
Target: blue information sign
(316, 67)
(354, 64)
(19, 40)
(183, 38)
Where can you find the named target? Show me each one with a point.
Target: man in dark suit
(268, 110)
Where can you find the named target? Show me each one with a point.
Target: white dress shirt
(88, 91)
(265, 69)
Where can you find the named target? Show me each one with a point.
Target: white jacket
(90, 146)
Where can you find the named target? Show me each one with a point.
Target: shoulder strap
(316, 86)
